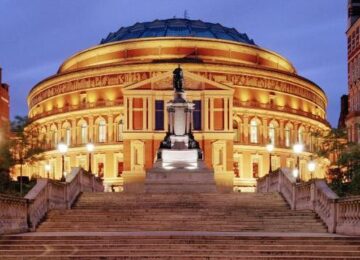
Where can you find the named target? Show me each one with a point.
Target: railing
(70, 108)
(23, 214)
(341, 215)
(13, 216)
(268, 106)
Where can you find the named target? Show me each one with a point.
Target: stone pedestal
(180, 179)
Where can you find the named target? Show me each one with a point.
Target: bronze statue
(178, 80)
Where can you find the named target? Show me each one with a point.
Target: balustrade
(341, 215)
(23, 214)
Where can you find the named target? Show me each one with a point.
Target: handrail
(24, 214)
(341, 215)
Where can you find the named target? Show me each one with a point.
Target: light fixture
(295, 173)
(270, 148)
(311, 167)
(90, 148)
(63, 148)
(298, 148)
(47, 169)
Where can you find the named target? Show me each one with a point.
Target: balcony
(82, 106)
(272, 107)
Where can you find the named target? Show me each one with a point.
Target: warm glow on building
(114, 95)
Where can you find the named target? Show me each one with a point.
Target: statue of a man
(177, 79)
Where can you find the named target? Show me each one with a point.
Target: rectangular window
(120, 168)
(159, 114)
(197, 115)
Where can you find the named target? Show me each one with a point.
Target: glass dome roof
(177, 28)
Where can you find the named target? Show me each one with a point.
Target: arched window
(102, 131)
(272, 133)
(53, 136)
(236, 131)
(84, 133)
(120, 129)
(300, 135)
(287, 136)
(68, 136)
(254, 131)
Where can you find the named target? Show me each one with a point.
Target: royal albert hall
(114, 95)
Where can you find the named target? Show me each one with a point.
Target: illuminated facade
(115, 96)
(353, 117)
(4, 103)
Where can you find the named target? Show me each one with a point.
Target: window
(159, 115)
(300, 135)
(236, 130)
(253, 131)
(287, 136)
(68, 136)
(197, 115)
(83, 133)
(102, 131)
(120, 129)
(272, 133)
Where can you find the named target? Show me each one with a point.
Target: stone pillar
(206, 112)
(110, 128)
(211, 114)
(130, 126)
(73, 131)
(246, 130)
(91, 129)
(265, 134)
(281, 135)
(144, 113)
(226, 114)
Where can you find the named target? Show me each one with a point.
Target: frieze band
(126, 78)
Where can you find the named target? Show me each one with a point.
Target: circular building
(114, 95)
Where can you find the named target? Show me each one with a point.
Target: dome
(177, 28)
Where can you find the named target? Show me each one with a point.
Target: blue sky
(37, 36)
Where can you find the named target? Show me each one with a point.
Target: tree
(25, 146)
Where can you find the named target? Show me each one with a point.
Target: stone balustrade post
(267, 183)
(312, 194)
(333, 216)
(93, 183)
(280, 181)
(293, 206)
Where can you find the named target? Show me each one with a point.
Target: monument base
(180, 179)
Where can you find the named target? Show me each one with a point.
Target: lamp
(298, 148)
(47, 169)
(270, 148)
(311, 167)
(90, 148)
(62, 148)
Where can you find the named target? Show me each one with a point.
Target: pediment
(163, 81)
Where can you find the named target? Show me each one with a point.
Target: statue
(177, 80)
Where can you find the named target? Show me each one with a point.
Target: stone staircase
(182, 212)
(180, 226)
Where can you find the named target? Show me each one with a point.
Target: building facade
(4, 103)
(115, 94)
(353, 117)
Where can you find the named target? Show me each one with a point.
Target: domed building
(114, 95)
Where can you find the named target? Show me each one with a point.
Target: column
(126, 112)
(211, 114)
(246, 129)
(265, 134)
(281, 135)
(230, 114)
(91, 130)
(144, 113)
(226, 114)
(73, 131)
(130, 126)
(110, 128)
(206, 114)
